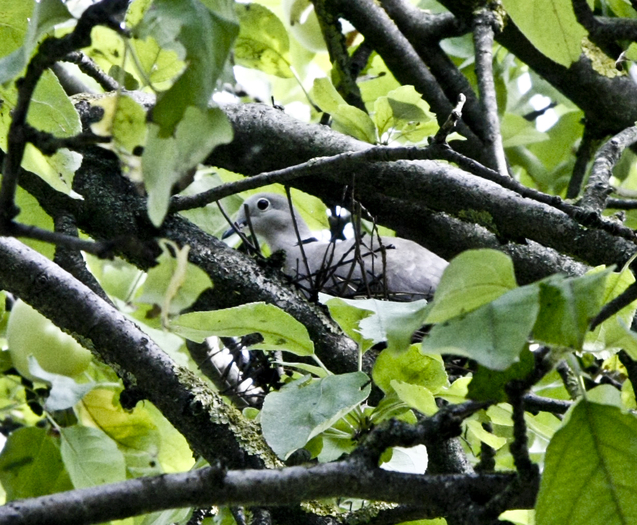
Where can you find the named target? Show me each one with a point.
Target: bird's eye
(263, 204)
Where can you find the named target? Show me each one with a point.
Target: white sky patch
(524, 83)
(549, 118)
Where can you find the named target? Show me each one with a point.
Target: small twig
(452, 120)
(444, 425)
(519, 447)
(90, 68)
(48, 143)
(101, 249)
(582, 157)
(598, 188)
(609, 309)
(298, 237)
(483, 33)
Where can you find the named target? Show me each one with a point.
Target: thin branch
(624, 299)
(48, 143)
(483, 32)
(598, 188)
(582, 157)
(339, 57)
(90, 68)
(104, 250)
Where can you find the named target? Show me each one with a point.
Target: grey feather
(391, 267)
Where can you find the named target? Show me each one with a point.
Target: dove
(370, 266)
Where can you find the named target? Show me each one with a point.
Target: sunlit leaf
(473, 278)
(263, 42)
(279, 329)
(589, 469)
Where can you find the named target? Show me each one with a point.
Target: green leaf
(91, 457)
(475, 427)
(394, 322)
(349, 313)
(347, 119)
(42, 17)
(279, 329)
(416, 397)
(202, 34)
(488, 385)
(166, 160)
(517, 131)
(551, 26)
(305, 408)
(589, 473)
(124, 120)
(31, 465)
(494, 334)
(263, 42)
(404, 111)
(411, 367)
(567, 306)
(473, 278)
(160, 287)
(52, 111)
(611, 334)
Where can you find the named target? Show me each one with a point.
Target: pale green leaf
(31, 465)
(589, 473)
(263, 42)
(91, 457)
(123, 119)
(279, 329)
(156, 287)
(494, 334)
(394, 322)
(405, 112)
(567, 306)
(52, 111)
(65, 392)
(166, 160)
(347, 119)
(411, 367)
(416, 397)
(42, 17)
(517, 131)
(473, 278)
(202, 34)
(611, 334)
(551, 26)
(475, 427)
(305, 408)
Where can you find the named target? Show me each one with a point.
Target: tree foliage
(498, 134)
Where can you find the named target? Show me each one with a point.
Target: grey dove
(388, 267)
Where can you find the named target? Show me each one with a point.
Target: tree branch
(435, 495)
(483, 29)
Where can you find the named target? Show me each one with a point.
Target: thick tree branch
(435, 495)
(211, 428)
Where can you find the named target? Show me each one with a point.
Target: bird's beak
(233, 229)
